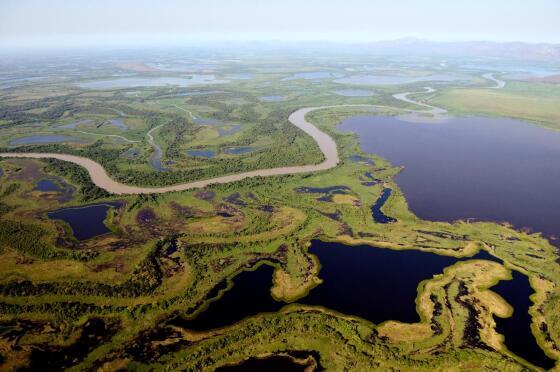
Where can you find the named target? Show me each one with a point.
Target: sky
(83, 22)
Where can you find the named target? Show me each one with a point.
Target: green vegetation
(168, 253)
(527, 101)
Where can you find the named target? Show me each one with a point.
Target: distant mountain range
(541, 51)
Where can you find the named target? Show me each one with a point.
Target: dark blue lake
(344, 270)
(517, 328)
(86, 221)
(367, 282)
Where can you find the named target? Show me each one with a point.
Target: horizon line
(175, 39)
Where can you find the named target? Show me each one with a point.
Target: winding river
(326, 144)
(500, 84)
(101, 179)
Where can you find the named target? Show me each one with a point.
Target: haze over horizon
(32, 23)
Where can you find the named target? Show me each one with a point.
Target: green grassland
(537, 103)
(52, 286)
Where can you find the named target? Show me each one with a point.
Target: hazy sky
(137, 21)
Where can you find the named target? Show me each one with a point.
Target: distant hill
(542, 51)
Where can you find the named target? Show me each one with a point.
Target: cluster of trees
(79, 176)
(10, 189)
(4, 208)
(60, 310)
(29, 239)
(143, 281)
(176, 130)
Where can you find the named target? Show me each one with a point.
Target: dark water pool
(249, 295)
(377, 213)
(373, 283)
(86, 221)
(483, 168)
(48, 185)
(51, 358)
(517, 328)
(63, 190)
(349, 273)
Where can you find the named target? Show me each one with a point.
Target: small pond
(86, 221)
(74, 124)
(47, 185)
(41, 139)
(272, 98)
(208, 154)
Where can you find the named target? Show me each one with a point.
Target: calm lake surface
(374, 283)
(151, 82)
(250, 295)
(47, 185)
(363, 280)
(345, 271)
(371, 79)
(40, 139)
(517, 328)
(87, 221)
(354, 93)
(482, 168)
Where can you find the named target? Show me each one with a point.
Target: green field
(122, 288)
